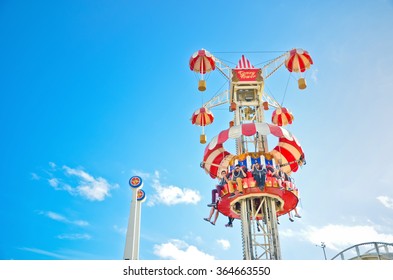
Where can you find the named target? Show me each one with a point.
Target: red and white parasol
(282, 116)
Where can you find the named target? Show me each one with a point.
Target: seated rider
(288, 182)
(279, 175)
(215, 200)
(259, 174)
(237, 175)
(216, 192)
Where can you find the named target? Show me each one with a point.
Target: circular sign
(135, 182)
(141, 195)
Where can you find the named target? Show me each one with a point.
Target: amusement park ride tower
(257, 207)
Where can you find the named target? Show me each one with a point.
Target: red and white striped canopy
(202, 62)
(216, 160)
(202, 117)
(282, 116)
(298, 61)
(288, 151)
(289, 154)
(248, 129)
(244, 63)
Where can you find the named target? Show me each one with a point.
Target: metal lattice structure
(258, 213)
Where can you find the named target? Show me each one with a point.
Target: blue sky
(94, 92)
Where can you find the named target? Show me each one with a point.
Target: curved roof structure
(367, 251)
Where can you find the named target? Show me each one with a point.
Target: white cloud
(179, 250)
(287, 233)
(54, 216)
(78, 182)
(79, 173)
(88, 186)
(61, 218)
(386, 201)
(339, 237)
(74, 236)
(224, 243)
(170, 195)
(54, 182)
(80, 223)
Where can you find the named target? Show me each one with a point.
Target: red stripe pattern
(216, 160)
(244, 63)
(248, 129)
(288, 150)
(298, 61)
(289, 154)
(282, 116)
(202, 117)
(202, 62)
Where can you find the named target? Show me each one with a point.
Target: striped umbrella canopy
(298, 60)
(202, 117)
(215, 160)
(289, 154)
(248, 129)
(202, 62)
(282, 116)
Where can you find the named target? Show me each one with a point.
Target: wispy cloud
(78, 182)
(60, 218)
(74, 236)
(45, 253)
(90, 187)
(143, 175)
(179, 250)
(314, 75)
(34, 176)
(224, 243)
(54, 182)
(386, 201)
(171, 195)
(121, 230)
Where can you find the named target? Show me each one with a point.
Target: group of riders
(260, 175)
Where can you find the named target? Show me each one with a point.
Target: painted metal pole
(131, 251)
(140, 199)
(323, 246)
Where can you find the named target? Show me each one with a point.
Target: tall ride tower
(246, 98)
(256, 207)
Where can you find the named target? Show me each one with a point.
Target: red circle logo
(140, 195)
(135, 181)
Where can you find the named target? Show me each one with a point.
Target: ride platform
(286, 197)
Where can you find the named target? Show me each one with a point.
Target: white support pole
(137, 230)
(131, 250)
(130, 237)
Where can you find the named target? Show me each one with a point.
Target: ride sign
(246, 75)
